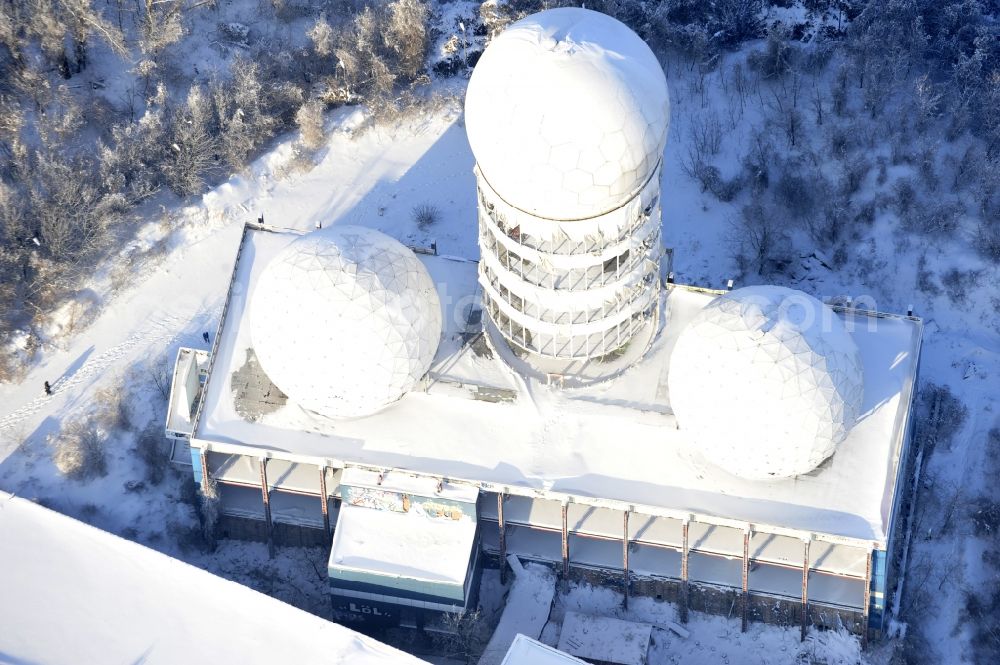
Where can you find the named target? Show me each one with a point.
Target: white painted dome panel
(767, 382)
(560, 91)
(345, 321)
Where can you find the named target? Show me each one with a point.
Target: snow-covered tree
(406, 36)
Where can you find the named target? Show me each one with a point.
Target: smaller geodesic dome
(567, 114)
(767, 381)
(345, 321)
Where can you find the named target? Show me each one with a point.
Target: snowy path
(182, 297)
(526, 612)
(161, 331)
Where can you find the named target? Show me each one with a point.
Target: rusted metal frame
(867, 601)
(565, 539)
(685, 554)
(324, 501)
(745, 604)
(533, 493)
(502, 524)
(203, 456)
(625, 567)
(266, 497)
(805, 592)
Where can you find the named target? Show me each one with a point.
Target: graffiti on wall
(398, 502)
(369, 497)
(441, 510)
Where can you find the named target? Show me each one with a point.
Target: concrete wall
(596, 556)
(255, 530)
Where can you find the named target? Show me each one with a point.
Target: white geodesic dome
(767, 381)
(567, 114)
(345, 321)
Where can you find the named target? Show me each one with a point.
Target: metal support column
(805, 592)
(565, 539)
(325, 501)
(266, 496)
(625, 568)
(685, 551)
(745, 605)
(867, 601)
(503, 537)
(203, 456)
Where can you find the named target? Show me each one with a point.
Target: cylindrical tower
(567, 115)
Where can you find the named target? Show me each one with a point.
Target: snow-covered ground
(713, 640)
(172, 303)
(375, 177)
(526, 609)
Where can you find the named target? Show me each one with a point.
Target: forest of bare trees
(826, 88)
(74, 165)
(76, 162)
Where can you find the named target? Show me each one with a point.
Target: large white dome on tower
(345, 321)
(767, 381)
(567, 114)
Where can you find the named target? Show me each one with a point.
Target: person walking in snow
(204, 336)
(48, 389)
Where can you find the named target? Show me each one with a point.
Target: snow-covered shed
(526, 651)
(402, 541)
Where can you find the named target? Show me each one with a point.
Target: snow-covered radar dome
(767, 381)
(567, 114)
(345, 321)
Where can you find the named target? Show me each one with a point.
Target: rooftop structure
(411, 540)
(552, 459)
(764, 351)
(190, 372)
(567, 115)
(707, 445)
(345, 321)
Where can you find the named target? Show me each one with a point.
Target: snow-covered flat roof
(72, 593)
(398, 544)
(617, 440)
(526, 651)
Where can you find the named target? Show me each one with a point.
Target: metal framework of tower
(571, 290)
